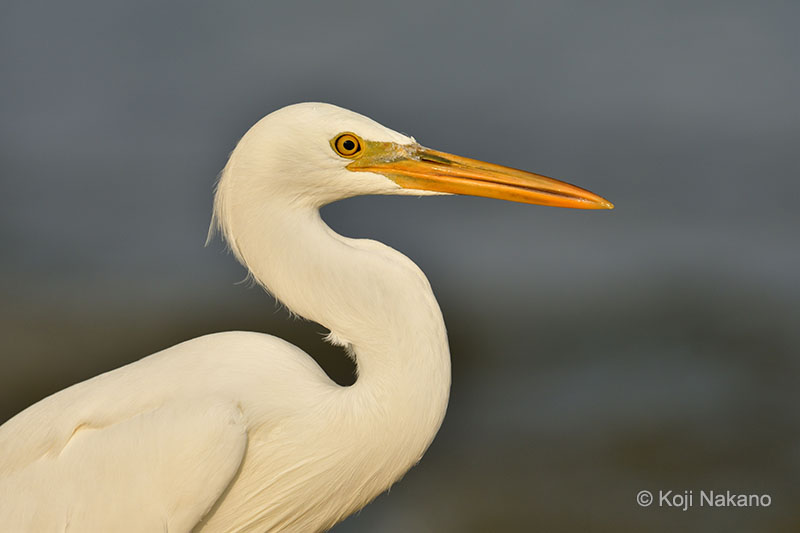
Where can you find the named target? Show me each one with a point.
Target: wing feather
(160, 470)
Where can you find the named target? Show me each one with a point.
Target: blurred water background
(595, 354)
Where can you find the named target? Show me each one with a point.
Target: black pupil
(349, 145)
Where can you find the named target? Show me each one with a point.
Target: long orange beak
(419, 168)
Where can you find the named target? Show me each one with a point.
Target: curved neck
(375, 301)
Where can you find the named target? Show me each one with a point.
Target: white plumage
(242, 431)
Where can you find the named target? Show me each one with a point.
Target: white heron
(242, 431)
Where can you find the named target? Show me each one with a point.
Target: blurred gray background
(595, 354)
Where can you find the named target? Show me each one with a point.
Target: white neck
(374, 300)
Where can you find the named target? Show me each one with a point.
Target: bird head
(313, 154)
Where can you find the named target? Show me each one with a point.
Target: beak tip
(598, 202)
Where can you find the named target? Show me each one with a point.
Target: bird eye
(347, 145)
